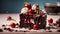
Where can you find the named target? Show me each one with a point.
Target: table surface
(41, 31)
(29, 32)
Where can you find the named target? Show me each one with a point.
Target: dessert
(32, 17)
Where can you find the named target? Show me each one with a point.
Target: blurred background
(15, 6)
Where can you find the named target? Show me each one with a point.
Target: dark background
(15, 6)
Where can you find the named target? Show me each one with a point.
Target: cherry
(50, 20)
(9, 18)
(28, 6)
(31, 11)
(35, 27)
(12, 25)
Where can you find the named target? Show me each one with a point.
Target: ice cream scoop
(24, 10)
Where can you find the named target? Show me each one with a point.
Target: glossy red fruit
(28, 6)
(9, 18)
(35, 27)
(50, 20)
(31, 11)
(12, 25)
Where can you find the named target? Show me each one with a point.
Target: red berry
(35, 27)
(12, 25)
(50, 20)
(31, 11)
(28, 6)
(9, 18)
